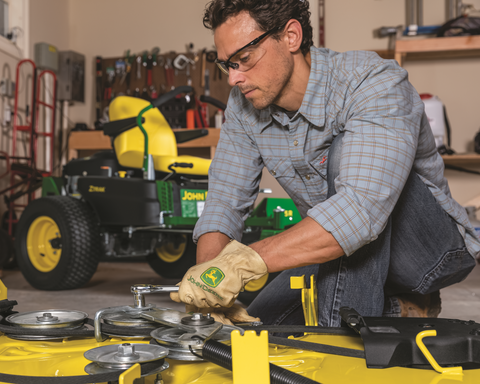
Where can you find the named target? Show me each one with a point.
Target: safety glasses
(246, 57)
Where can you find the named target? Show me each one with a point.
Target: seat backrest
(129, 146)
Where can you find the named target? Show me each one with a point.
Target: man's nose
(235, 77)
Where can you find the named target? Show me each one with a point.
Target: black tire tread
(84, 238)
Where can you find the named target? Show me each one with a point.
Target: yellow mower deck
(65, 357)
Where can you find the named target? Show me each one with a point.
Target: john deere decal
(212, 277)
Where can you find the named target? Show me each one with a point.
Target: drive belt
(107, 328)
(84, 379)
(306, 345)
(342, 331)
(322, 348)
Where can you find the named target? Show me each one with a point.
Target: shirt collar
(313, 104)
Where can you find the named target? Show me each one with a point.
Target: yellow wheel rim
(256, 285)
(169, 253)
(40, 252)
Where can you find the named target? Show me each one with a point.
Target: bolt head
(126, 349)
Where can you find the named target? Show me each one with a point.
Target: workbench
(85, 143)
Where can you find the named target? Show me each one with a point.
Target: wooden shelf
(85, 143)
(462, 159)
(437, 47)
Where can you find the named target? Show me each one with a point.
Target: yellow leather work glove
(228, 316)
(217, 282)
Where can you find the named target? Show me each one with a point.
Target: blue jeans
(420, 251)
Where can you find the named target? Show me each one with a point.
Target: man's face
(263, 83)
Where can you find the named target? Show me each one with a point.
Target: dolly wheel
(174, 256)
(58, 243)
(254, 287)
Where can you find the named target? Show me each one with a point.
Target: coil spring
(221, 355)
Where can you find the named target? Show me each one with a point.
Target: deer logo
(212, 277)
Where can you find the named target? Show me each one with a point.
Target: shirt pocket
(279, 167)
(319, 164)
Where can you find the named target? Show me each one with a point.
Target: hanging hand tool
(128, 70)
(201, 123)
(120, 70)
(149, 65)
(204, 66)
(153, 92)
(98, 62)
(139, 67)
(169, 74)
(182, 62)
(155, 52)
(204, 106)
(144, 58)
(211, 57)
(110, 71)
(190, 51)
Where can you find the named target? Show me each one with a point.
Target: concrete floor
(110, 286)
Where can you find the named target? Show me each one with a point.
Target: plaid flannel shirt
(387, 135)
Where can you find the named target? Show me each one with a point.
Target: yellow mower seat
(162, 145)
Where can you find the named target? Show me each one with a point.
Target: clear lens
(247, 58)
(243, 60)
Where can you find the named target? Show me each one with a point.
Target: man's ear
(294, 35)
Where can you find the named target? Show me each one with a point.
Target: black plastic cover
(390, 341)
(121, 201)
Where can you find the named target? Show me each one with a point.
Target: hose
(221, 355)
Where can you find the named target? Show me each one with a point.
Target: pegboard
(219, 87)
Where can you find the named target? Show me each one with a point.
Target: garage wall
(349, 26)
(110, 27)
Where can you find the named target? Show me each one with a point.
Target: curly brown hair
(267, 13)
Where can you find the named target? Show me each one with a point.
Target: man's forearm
(304, 244)
(209, 245)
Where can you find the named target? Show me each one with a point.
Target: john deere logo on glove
(212, 277)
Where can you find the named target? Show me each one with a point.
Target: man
(346, 136)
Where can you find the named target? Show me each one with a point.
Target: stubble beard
(271, 96)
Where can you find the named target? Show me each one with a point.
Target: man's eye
(244, 58)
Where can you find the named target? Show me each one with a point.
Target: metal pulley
(124, 319)
(48, 319)
(181, 343)
(123, 356)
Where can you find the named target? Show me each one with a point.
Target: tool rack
(161, 78)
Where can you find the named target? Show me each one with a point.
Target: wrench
(139, 67)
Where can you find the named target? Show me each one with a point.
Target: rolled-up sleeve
(382, 120)
(233, 178)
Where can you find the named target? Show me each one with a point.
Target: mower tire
(57, 243)
(174, 255)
